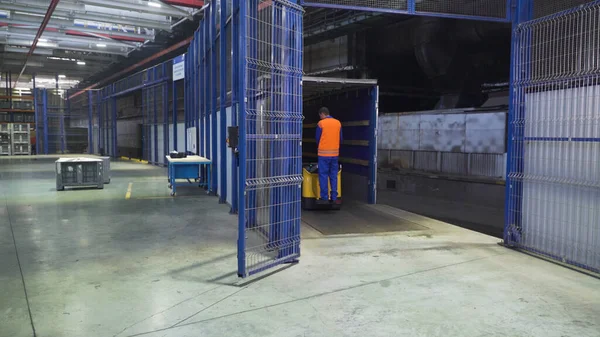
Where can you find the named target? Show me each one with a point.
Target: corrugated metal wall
(554, 164)
(466, 144)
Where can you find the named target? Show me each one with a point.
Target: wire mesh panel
(56, 110)
(77, 121)
(271, 135)
(553, 184)
(384, 4)
(479, 8)
(483, 9)
(543, 8)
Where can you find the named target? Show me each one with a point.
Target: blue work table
(187, 168)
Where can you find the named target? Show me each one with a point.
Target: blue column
(45, 118)
(114, 125)
(90, 122)
(174, 114)
(36, 116)
(521, 12)
(223, 108)
(165, 107)
(241, 93)
(235, 52)
(213, 96)
(155, 109)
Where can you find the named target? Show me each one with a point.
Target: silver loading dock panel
(354, 102)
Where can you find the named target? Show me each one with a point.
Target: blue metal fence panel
(270, 123)
(553, 182)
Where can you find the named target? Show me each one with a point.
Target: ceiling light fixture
(62, 76)
(100, 45)
(43, 40)
(154, 4)
(81, 63)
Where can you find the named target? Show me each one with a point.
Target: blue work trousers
(328, 173)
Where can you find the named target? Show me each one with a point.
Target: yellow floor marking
(128, 194)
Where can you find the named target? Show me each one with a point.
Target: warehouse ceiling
(84, 39)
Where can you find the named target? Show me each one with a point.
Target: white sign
(191, 140)
(179, 67)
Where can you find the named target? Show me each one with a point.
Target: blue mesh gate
(270, 122)
(553, 183)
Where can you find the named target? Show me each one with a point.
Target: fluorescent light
(43, 40)
(154, 4)
(100, 45)
(81, 63)
(62, 76)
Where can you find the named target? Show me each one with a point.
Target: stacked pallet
(5, 144)
(20, 139)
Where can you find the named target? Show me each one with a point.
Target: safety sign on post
(179, 67)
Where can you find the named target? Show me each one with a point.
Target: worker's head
(323, 112)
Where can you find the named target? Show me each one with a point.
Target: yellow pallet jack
(311, 189)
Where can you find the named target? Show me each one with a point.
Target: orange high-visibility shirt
(329, 137)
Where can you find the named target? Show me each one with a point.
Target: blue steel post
(412, 6)
(165, 107)
(155, 109)
(199, 70)
(174, 113)
(279, 84)
(206, 87)
(235, 52)
(241, 88)
(36, 116)
(90, 122)
(299, 45)
(281, 40)
(372, 198)
(521, 12)
(114, 125)
(187, 96)
(213, 97)
(45, 118)
(223, 108)
(62, 117)
(99, 113)
(144, 152)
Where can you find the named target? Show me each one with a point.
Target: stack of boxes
(21, 139)
(5, 145)
(15, 139)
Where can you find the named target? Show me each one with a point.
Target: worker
(329, 138)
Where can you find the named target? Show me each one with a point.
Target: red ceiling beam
(185, 3)
(135, 66)
(40, 31)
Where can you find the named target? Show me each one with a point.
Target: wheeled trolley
(311, 189)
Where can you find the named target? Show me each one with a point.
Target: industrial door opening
(354, 103)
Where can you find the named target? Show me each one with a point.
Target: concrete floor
(94, 263)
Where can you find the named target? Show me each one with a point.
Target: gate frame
(411, 10)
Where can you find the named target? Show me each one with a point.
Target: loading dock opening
(354, 102)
